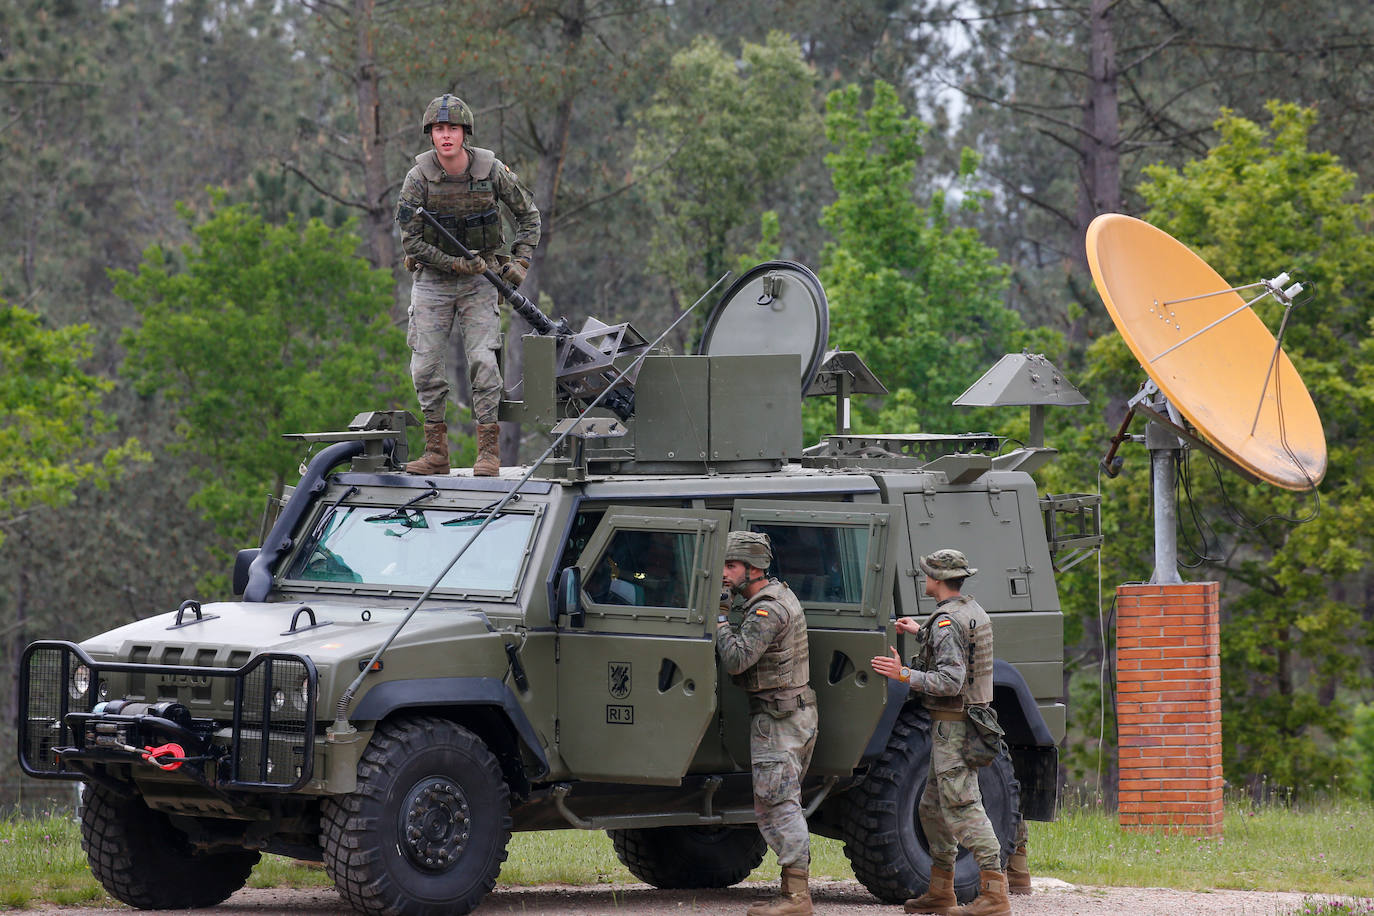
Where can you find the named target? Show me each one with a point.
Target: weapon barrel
(541, 323)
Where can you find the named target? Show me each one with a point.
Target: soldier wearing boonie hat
(767, 656)
(953, 673)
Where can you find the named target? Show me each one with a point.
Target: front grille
(270, 721)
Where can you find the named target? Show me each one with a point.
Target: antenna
(1218, 379)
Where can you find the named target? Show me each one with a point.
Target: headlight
(301, 695)
(80, 683)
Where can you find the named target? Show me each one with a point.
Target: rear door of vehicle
(835, 558)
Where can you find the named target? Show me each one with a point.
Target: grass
(1322, 850)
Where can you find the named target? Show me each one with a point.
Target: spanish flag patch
(762, 612)
(944, 623)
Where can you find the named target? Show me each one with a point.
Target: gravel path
(832, 898)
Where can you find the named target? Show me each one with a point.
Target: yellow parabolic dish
(1216, 379)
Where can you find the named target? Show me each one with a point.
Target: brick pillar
(1168, 675)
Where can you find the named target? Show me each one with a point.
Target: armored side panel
(731, 413)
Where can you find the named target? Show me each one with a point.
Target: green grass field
(1320, 849)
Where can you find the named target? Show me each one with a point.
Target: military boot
(793, 900)
(488, 463)
(992, 897)
(939, 897)
(435, 458)
(1018, 872)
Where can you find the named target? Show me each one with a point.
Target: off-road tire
(426, 830)
(141, 859)
(881, 828)
(689, 857)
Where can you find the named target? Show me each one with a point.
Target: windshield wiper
(329, 514)
(400, 513)
(480, 513)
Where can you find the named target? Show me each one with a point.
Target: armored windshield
(407, 548)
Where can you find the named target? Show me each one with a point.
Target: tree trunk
(1099, 186)
(546, 199)
(376, 222)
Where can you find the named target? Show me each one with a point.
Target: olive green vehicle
(371, 702)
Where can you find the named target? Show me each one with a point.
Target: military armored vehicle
(417, 666)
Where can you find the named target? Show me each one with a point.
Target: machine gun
(585, 360)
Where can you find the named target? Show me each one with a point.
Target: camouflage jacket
(768, 654)
(509, 190)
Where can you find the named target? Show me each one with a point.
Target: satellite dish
(1208, 352)
(776, 307)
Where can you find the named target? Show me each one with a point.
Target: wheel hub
(434, 824)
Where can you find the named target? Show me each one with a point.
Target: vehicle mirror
(569, 598)
(242, 561)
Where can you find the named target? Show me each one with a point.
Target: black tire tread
(136, 855)
(357, 868)
(674, 858)
(868, 825)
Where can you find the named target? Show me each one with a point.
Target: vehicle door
(835, 558)
(636, 669)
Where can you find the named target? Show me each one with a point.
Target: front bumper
(248, 728)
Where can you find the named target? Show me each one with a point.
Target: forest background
(197, 254)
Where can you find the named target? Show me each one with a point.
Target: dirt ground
(832, 898)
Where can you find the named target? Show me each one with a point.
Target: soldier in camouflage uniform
(953, 672)
(461, 185)
(767, 656)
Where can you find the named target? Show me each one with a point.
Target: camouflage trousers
(951, 806)
(436, 298)
(780, 751)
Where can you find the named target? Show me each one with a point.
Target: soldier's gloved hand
(513, 271)
(469, 267)
(411, 264)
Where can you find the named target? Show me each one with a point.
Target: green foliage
(50, 416)
(918, 297)
(1294, 625)
(719, 134)
(257, 330)
(1359, 749)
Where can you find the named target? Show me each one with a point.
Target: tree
(256, 330)
(1295, 619)
(50, 416)
(916, 295)
(719, 134)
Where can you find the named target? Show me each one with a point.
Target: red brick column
(1168, 675)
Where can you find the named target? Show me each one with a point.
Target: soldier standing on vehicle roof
(952, 674)
(768, 658)
(461, 185)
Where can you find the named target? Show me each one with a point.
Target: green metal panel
(986, 525)
(671, 408)
(755, 408)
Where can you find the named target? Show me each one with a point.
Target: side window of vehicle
(820, 565)
(643, 568)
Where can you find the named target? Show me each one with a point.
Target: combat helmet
(752, 547)
(946, 563)
(447, 109)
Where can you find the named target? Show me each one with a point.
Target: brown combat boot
(992, 897)
(939, 897)
(1018, 872)
(435, 458)
(793, 900)
(488, 463)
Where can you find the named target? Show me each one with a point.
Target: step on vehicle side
(372, 703)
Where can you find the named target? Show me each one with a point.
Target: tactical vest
(973, 630)
(464, 204)
(785, 663)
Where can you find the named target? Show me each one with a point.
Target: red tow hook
(151, 754)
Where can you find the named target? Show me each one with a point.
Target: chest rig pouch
(466, 207)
